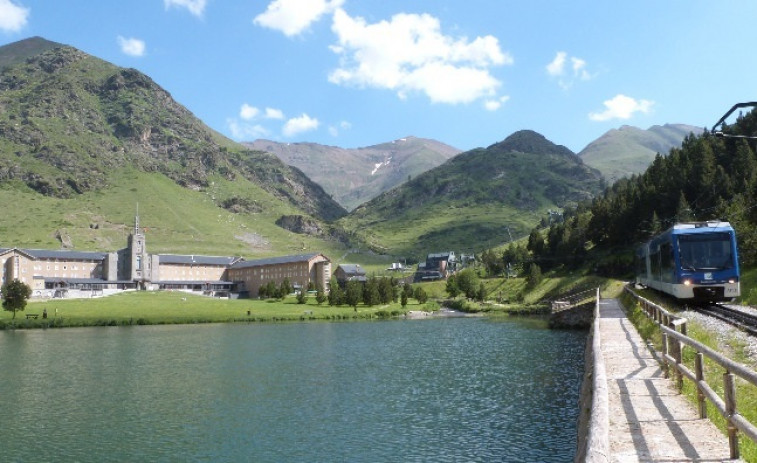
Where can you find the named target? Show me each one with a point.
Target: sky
(355, 73)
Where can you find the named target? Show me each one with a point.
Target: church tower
(137, 264)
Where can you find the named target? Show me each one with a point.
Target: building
(64, 273)
(303, 271)
(349, 272)
(438, 266)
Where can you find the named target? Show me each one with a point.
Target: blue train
(695, 261)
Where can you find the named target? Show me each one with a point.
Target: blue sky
(355, 73)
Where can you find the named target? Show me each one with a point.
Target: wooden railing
(571, 300)
(674, 339)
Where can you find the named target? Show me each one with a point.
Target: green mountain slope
(630, 150)
(468, 203)
(71, 123)
(354, 176)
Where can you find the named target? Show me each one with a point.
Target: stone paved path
(649, 420)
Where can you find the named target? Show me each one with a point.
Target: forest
(710, 177)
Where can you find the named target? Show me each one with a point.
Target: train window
(705, 251)
(667, 263)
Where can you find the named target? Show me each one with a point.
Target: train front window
(706, 251)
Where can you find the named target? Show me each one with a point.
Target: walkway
(649, 420)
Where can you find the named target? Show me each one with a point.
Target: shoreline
(441, 313)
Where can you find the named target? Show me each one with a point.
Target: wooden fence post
(665, 354)
(699, 367)
(729, 391)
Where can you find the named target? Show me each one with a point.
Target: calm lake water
(464, 389)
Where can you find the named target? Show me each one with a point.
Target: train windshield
(705, 251)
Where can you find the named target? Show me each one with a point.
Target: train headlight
(733, 281)
(687, 282)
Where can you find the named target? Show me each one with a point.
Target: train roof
(701, 227)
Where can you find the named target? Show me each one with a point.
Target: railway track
(746, 321)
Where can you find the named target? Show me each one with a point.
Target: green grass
(135, 308)
(178, 220)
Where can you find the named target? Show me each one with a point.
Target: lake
(451, 389)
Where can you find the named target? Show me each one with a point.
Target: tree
(286, 288)
(407, 289)
(371, 295)
(403, 299)
(467, 282)
(354, 293)
(683, 211)
(451, 287)
(15, 294)
(482, 293)
(534, 276)
(536, 243)
(302, 297)
(420, 295)
(320, 295)
(386, 290)
(336, 294)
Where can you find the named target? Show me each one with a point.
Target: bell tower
(137, 251)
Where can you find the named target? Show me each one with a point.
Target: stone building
(63, 273)
(300, 270)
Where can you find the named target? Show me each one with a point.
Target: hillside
(76, 128)
(354, 176)
(468, 203)
(630, 150)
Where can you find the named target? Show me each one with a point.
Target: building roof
(63, 254)
(85, 281)
(352, 269)
(192, 282)
(276, 260)
(223, 261)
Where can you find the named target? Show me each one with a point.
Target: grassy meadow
(165, 307)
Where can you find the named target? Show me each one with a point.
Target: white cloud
(132, 46)
(272, 113)
(621, 107)
(493, 105)
(248, 112)
(246, 132)
(410, 54)
(299, 125)
(558, 68)
(196, 7)
(334, 130)
(292, 17)
(13, 17)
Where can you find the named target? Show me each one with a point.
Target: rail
(598, 439)
(673, 343)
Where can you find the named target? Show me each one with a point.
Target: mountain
(474, 200)
(630, 150)
(75, 131)
(354, 176)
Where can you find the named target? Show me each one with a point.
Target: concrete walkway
(649, 420)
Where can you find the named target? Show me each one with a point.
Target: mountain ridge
(468, 202)
(629, 150)
(353, 176)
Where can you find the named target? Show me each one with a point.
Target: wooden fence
(674, 339)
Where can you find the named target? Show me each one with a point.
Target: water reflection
(432, 390)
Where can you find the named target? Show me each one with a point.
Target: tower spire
(136, 221)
